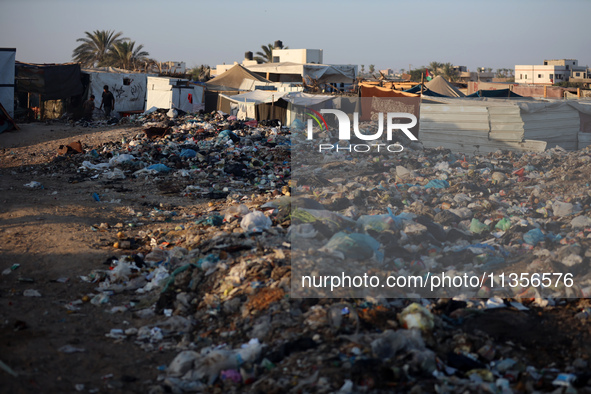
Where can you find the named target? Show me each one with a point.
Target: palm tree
(434, 67)
(95, 47)
(266, 55)
(449, 72)
(125, 55)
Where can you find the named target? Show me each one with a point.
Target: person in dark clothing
(88, 107)
(108, 101)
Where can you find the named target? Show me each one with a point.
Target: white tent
(244, 105)
(7, 56)
(163, 92)
(129, 88)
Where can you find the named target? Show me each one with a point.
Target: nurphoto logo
(344, 133)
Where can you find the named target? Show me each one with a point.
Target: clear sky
(388, 34)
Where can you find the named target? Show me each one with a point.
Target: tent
(7, 56)
(500, 93)
(437, 87)
(128, 87)
(263, 104)
(51, 81)
(163, 92)
(57, 88)
(250, 104)
(236, 78)
(295, 72)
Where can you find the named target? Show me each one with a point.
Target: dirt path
(48, 233)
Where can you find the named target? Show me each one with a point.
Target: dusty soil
(48, 232)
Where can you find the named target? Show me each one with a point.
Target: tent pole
(272, 106)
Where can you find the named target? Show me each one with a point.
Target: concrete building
(302, 56)
(551, 72)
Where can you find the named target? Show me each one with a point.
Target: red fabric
(190, 98)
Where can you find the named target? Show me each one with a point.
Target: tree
(266, 54)
(449, 72)
(363, 69)
(95, 47)
(200, 73)
(125, 55)
(415, 74)
(434, 67)
(372, 68)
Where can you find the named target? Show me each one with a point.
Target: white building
(302, 56)
(551, 72)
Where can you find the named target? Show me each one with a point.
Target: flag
(428, 75)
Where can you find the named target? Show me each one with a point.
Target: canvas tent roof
(236, 78)
(438, 87)
(323, 73)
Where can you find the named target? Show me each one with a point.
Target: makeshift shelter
(310, 73)
(487, 125)
(437, 87)
(236, 78)
(7, 56)
(376, 100)
(163, 92)
(259, 105)
(128, 87)
(54, 84)
(500, 93)
(262, 105)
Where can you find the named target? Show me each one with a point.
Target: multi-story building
(551, 72)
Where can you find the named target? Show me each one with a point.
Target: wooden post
(272, 106)
(40, 108)
(422, 76)
(578, 92)
(545, 91)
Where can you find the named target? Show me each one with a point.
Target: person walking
(108, 101)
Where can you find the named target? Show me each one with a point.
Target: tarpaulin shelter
(437, 87)
(164, 92)
(500, 93)
(375, 100)
(54, 85)
(51, 81)
(7, 56)
(258, 104)
(236, 78)
(296, 72)
(128, 87)
(262, 104)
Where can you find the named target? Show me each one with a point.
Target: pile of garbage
(214, 288)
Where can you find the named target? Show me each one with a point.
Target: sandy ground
(48, 232)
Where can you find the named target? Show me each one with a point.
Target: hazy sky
(388, 34)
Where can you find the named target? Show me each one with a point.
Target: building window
(551, 76)
(520, 76)
(578, 74)
(567, 66)
(539, 75)
(525, 76)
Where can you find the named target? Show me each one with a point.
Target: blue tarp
(426, 92)
(501, 93)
